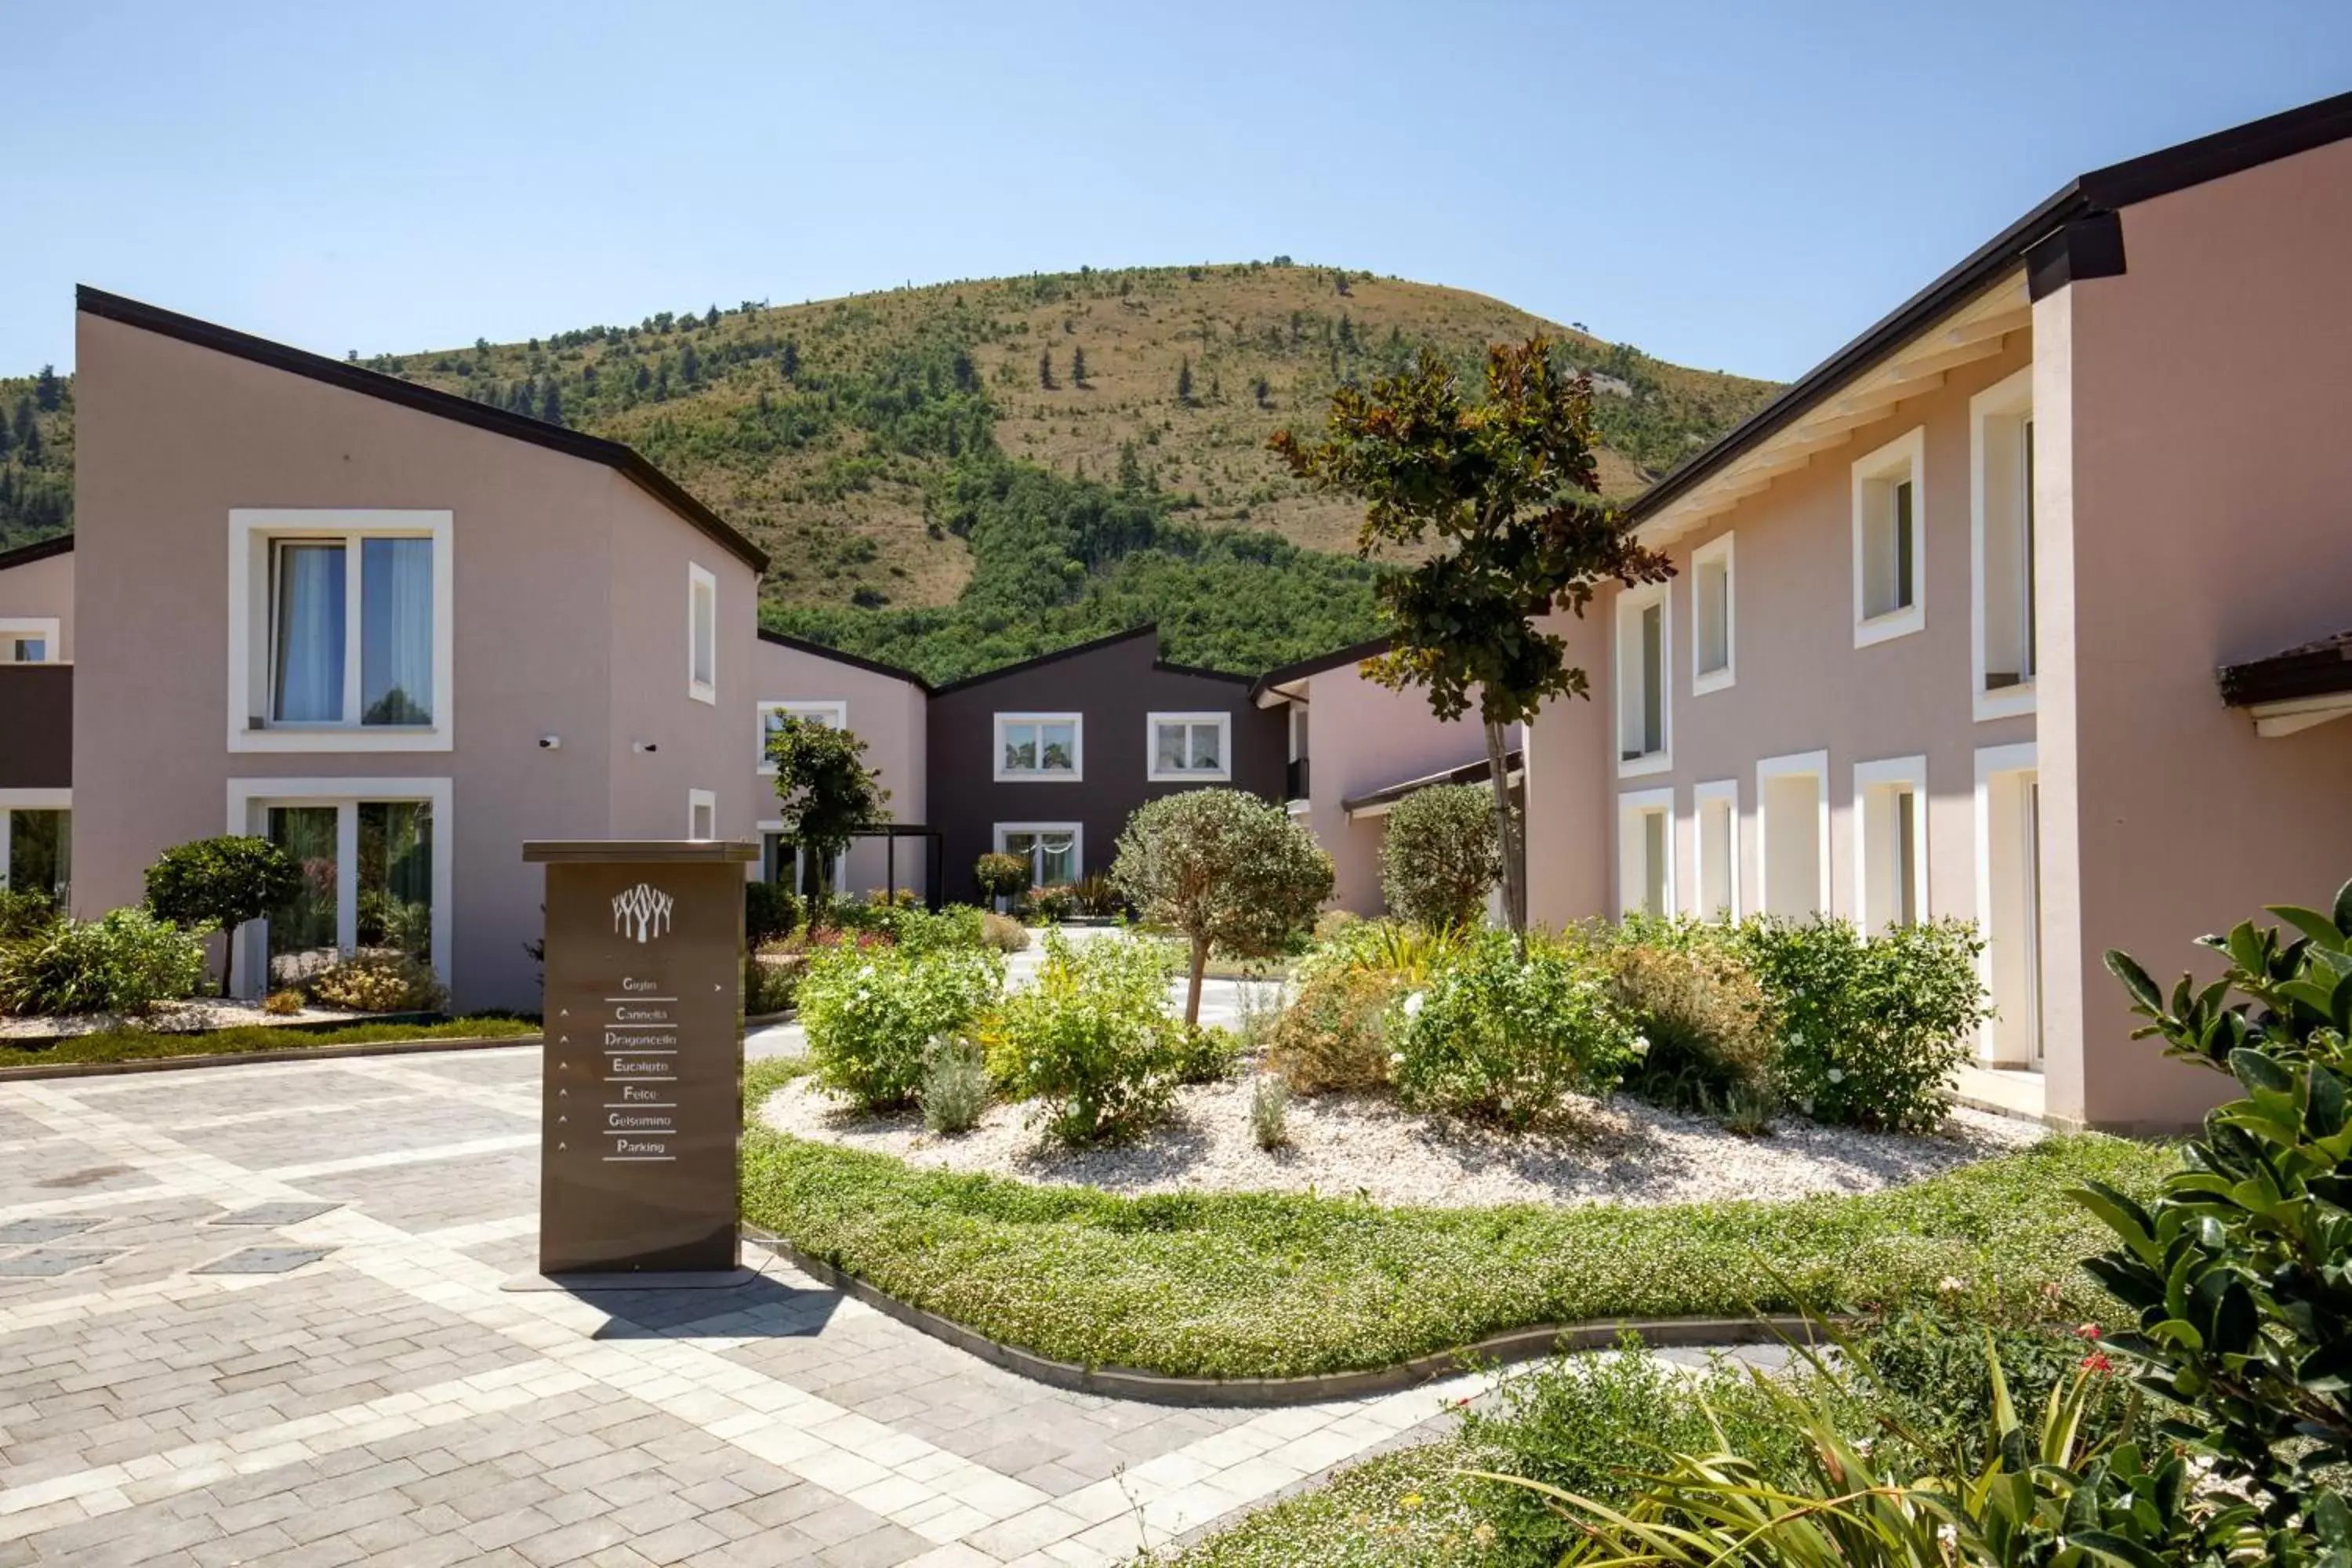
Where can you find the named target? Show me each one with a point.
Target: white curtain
(310, 634)
(396, 631)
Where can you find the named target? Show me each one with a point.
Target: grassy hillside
(954, 475)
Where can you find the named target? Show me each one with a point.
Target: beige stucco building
(1947, 616)
(886, 707)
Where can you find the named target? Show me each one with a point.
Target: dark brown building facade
(1048, 759)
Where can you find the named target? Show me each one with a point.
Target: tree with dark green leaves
(222, 883)
(551, 403)
(1184, 381)
(1046, 369)
(788, 362)
(825, 791)
(1262, 390)
(1497, 497)
(710, 318)
(1077, 367)
(47, 391)
(689, 366)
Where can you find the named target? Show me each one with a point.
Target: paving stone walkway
(252, 1315)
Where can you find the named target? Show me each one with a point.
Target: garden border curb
(1530, 1343)
(288, 1054)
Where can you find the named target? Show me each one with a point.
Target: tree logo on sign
(641, 913)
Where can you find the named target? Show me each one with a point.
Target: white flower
(1640, 1044)
(1413, 1004)
(1951, 1284)
(1836, 1075)
(1396, 1059)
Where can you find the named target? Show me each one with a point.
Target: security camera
(549, 742)
(647, 747)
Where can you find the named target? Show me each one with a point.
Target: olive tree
(1492, 506)
(825, 791)
(222, 882)
(1226, 869)
(1441, 854)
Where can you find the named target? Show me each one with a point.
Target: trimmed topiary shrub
(1501, 1038)
(1441, 854)
(1001, 876)
(221, 883)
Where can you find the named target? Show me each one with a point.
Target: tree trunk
(1507, 828)
(1193, 991)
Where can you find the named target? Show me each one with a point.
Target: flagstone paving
(189, 1375)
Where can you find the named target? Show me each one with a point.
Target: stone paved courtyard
(252, 1315)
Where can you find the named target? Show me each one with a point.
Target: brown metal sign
(643, 1070)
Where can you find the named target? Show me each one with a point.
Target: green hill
(954, 476)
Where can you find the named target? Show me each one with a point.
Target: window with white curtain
(1191, 747)
(339, 631)
(1043, 746)
(1051, 848)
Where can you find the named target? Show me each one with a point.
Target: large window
(1889, 533)
(375, 860)
(1890, 865)
(1645, 854)
(1643, 650)
(1191, 747)
(1052, 849)
(772, 715)
(339, 631)
(1715, 850)
(1040, 746)
(37, 842)
(2008, 901)
(29, 640)
(702, 635)
(1792, 834)
(1712, 616)
(783, 860)
(2000, 529)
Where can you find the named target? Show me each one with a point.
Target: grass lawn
(142, 1045)
(1263, 1285)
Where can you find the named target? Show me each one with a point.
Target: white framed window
(377, 855)
(701, 633)
(773, 714)
(1714, 616)
(781, 860)
(30, 639)
(2009, 902)
(1792, 835)
(2002, 640)
(1054, 850)
(340, 631)
(1644, 673)
(1890, 843)
(1645, 852)
(701, 815)
(1189, 748)
(37, 841)
(1048, 748)
(1715, 850)
(1890, 532)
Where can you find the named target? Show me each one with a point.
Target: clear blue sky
(1733, 186)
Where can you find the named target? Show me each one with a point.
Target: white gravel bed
(204, 1013)
(1618, 1151)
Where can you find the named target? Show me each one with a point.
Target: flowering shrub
(1501, 1038)
(1336, 1034)
(872, 1013)
(381, 982)
(1873, 1031)
(1091, 1040)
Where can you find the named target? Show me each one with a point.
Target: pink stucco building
(1948, 614)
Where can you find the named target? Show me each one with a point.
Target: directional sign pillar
(643, 1070)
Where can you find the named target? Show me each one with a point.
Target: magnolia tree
(1493, 503)
(1227, 869)
(222, 882)
(825, 791)
(1441, 854)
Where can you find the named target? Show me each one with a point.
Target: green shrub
(1203, 1053)
(1335, 1035)
(770, 913)
(125, 962)
(1269, 1112)
(1873, 1031)
(25, 911)
(1001, 876)
(956, 926)
(1097, 896)
(1003, 932)
(283, 1003)
(1054, 904)
(871, 1014)
(1501, 1038)
(1091, 1039)
(378, 982)
(955, 1092)
(1441, 854)
(218, 884)
(770, 983)
(2236, 1271)
(1404, 953)
(1712, 1045)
